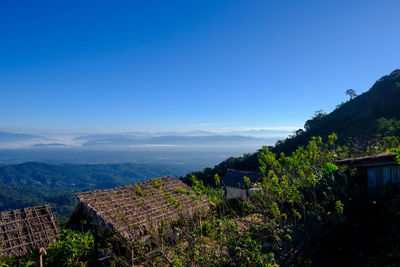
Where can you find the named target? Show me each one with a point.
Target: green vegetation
(79, 176)
(181, 191)
(61, 200)
(307, 211)
(156, 182)
(397, 151)
(300, 196)
(33, 183)
(372, 115)
(171, 200)
(73, 248)
(366, 124)
(138, 190)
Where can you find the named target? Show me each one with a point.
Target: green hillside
(77, 175)
(360, 117)
(61, 200)
(306, 212)
(367, 124)
(34, 183)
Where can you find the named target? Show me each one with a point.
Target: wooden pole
(39, 261)
(39, 257)
(132, 255)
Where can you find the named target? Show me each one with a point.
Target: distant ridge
(80, 176)
(9, 137)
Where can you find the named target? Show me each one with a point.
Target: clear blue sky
(155, 65)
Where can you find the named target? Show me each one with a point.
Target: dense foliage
(61, 200)
(305, 211)
(73, 248)
(365, 125)
(33, 183)
(360, 117)
(81, 176)
(248, 162)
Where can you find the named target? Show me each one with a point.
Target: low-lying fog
(196, 148)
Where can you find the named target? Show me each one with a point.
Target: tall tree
(352, 93)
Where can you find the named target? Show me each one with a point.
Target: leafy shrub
(71, 249)
(296, 195)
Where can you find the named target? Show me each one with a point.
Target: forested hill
(358, 117)
(33, 183)
(373, 115)
(81, 176)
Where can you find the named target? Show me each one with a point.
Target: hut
(374, 172)
(136, 211)
(234, 184)
(25, 230)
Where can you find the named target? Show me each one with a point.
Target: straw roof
(26, 229)
(382, 158)
(139, 209)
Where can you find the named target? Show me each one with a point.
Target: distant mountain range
(11, 137)
(191, 148)
(171, 140)
(129, 140)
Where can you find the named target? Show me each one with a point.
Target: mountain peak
(395, 72)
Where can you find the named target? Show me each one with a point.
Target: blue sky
(181, 65)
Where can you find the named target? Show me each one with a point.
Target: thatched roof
(234, 178)
(386, 158)
(26, 229)
(137, 210)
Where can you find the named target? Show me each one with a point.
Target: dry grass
(244, 223)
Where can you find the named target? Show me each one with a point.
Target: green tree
(318, 116)
(298, 195)
(352, 93)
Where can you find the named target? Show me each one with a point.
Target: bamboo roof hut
(234, 184)
(382, 159)
(235, 178)
(25, 230)
(374, 172)
(137, 210)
